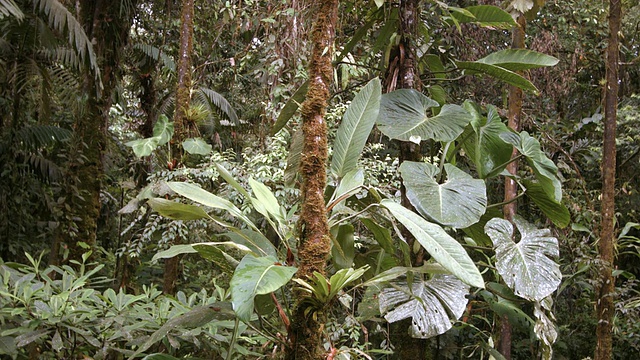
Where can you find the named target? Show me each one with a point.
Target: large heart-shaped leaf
(354, 130)
(256, 276)
(197, 146)
(432, 305)
(163, 129)
(486, 15)
(519, 59)
(483, 144)
(499, 73)
(443, 248)
(546, 171)
(143, 147)
(458, 202)
(526, 266)
(403, 116)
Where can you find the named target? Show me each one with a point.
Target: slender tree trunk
(183, 128)
(510, 186)
(315, 242)
(604, 302)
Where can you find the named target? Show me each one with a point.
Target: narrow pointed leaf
(349, 185)
(293, 159)
(256, 276)
(226, 175)
(519, 59)
(266, 199)
(432, 305)
(290, 108)
(404, 116)
(527, 266)
(441, 246)
(176, 210)
(499, 73)
(354, 130)
(343, 250)
(458, 202)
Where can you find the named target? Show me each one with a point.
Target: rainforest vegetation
(300, 179)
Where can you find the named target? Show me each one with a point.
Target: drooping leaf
(381, 234)
(432, 305)
(265, 200)
(143, 147)
(256, 276)
(176, 210)
(458, 202)
(156, 55)
(545, 328)
(349, 185)
(343, 250)
(290, 108)
(354, 130)
(201, 196)
(483, 144)
(253, 240)
(545, 170)
(9, 7)
(519, 59)
(197, 146)
(196, 317)
(181, 249)
(163, 130)
(554, 210)
(503, 307)
(403, 116)
(226, 175)
(441, 246)
(486, 15)
(499, 73)
(217, 102)
(293, 159)
(526, 266)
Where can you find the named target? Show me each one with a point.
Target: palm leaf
(10, 8)
(38, 136)
(218, 103)
(156, 55)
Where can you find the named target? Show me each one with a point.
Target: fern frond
(63, 21)
(10, 8)
(217, 103)
(37, 136)
(45, 169)
(156, 55)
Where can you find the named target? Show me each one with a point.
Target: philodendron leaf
(441, 246)
(459, 202)
(256, 276)
(554, 210)
(143, 147)
(197, 146)
(545, 328)
(519, 59)
(546, 171)
(404, 116)
(176, 210)
(354, 130)
(432, 304)
(482, 142)
(526, 266)
(163, 130)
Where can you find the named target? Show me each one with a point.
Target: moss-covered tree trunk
(604, 302)
(510, 186)
(315, 244)
(183, 128)
(107, 24)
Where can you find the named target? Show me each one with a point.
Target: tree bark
(182, 128)
(315, 242)
(604, 303)
(510, 186)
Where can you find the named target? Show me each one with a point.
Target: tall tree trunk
(107, 24)
(510, 186)
(604, 303)
(315, 242)
(183, 128)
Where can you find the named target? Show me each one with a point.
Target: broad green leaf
(519, 59)
(196, 317)
(403, 116)
(432, 305)
(163, 130)
(486, 15)
(293, 159)
(459, 202)
(381, 234)
(349, 185)
(201, 196)
(174, 251)
(226, 175)
(212, 251)
(499, 73)
(143, 147)
(253, 240)
(554, 210)
(354, 130)
(526, 266)
(504, 307)
(483, 145)
(435, 66)
(546, 171)
(290, 107)
(197, 146)
(265, 200)
(441, 246)
(176, 210)
(256, 276)
(343, 250)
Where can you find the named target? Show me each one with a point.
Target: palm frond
(63, 21)
(45, 169)
(156, 55)
(10, 8)
(217, 103)
(38, 136)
